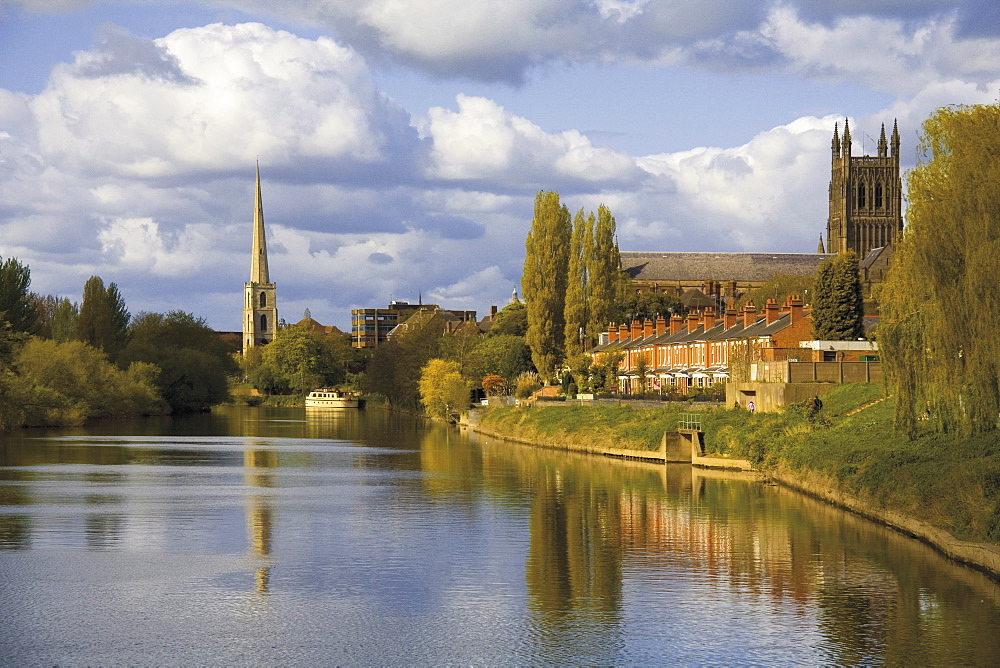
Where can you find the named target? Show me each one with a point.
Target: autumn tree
(838, 304)
(103, 319)
(939, 301)
(544, 280)
(443, 389)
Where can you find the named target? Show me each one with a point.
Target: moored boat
(326, 398)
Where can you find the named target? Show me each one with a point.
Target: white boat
(324, 398)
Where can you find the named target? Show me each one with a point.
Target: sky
(401, 143)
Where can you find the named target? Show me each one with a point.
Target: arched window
(878, 195)
(263, 300)
(263, 323)
(861, 195)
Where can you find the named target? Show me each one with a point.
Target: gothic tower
(260, 312)
(865, 196)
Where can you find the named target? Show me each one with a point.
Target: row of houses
(685, 355)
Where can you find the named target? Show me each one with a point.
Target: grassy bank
(949, 483)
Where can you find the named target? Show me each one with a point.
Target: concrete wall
(786, 371)
(769, 397)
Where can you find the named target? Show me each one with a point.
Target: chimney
(636, 329)
(771, 311)
(729, 319)
(749, 314)
(647, 328)
(612, 332)
(676, 322)
(706, 287)
(692, 322)
(493, 311)
(795, 309)
(708, 318)
(661, 325)
(623, 332)
(733, 290)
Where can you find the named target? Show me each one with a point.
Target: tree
(544, 281)
(194, 363)
(103, 320)
(939, 302)
(505, 355)
(302, 360)
(394, 368)
(779, 287)
(443, 389)
(64, 319)
(511, 319)
(494, 385)
(459, 346)
(649, 306)
(607, 284)
(576, 312)
(838, 306)
(17, 305)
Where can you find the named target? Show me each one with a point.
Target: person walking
(751, 406)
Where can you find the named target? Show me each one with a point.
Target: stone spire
(847, 138)
(819, 248)
(895, 138)
(258, 260)
(883, 148)
(835, 144)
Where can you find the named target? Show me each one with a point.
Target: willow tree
(939, 303)
(607, 283)
(838, 309)
(576, 310)
(544, 279)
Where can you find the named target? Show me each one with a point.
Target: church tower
(260, 312)
(865, 196)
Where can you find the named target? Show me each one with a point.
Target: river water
(279, 536)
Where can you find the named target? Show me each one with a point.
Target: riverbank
(939, 489)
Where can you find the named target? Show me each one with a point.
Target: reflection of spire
(260, 514)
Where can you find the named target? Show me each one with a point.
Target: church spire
(835, 144)
(847, 138)
(258, 261)
(819, 248)
(895, 138)
(883, 148)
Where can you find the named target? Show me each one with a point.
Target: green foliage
(394, 368)
(194, 363)
(103, 319)
(443, 389)
(64, 318)
(607, 284)
(63, 382)
(459, 347)
(838, 303)
(511, 320)
(648, 306)
(940, 343)
(505, 355)
(576, 309)
(300, 359)
(544, 281)
(17, 305)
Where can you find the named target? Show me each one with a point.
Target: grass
(949, 482)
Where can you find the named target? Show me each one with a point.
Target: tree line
(62, 362)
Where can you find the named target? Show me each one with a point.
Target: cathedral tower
(260, 312)
(865, 196)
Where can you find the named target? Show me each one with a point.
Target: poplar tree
(16, 304)
(607, 284)
(103, 319)
(544, 279)
(577, 284)
(941, 349)
(838, 307)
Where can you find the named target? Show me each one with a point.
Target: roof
(668, 267)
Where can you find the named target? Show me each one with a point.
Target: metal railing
(689, 421)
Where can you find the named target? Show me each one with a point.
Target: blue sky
(401, 143)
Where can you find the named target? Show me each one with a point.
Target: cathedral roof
(666, 267)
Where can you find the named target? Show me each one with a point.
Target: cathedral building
(865, 196)
(260, 310)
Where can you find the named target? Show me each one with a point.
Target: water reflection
(407, 542)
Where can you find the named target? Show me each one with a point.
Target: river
(270, 536)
